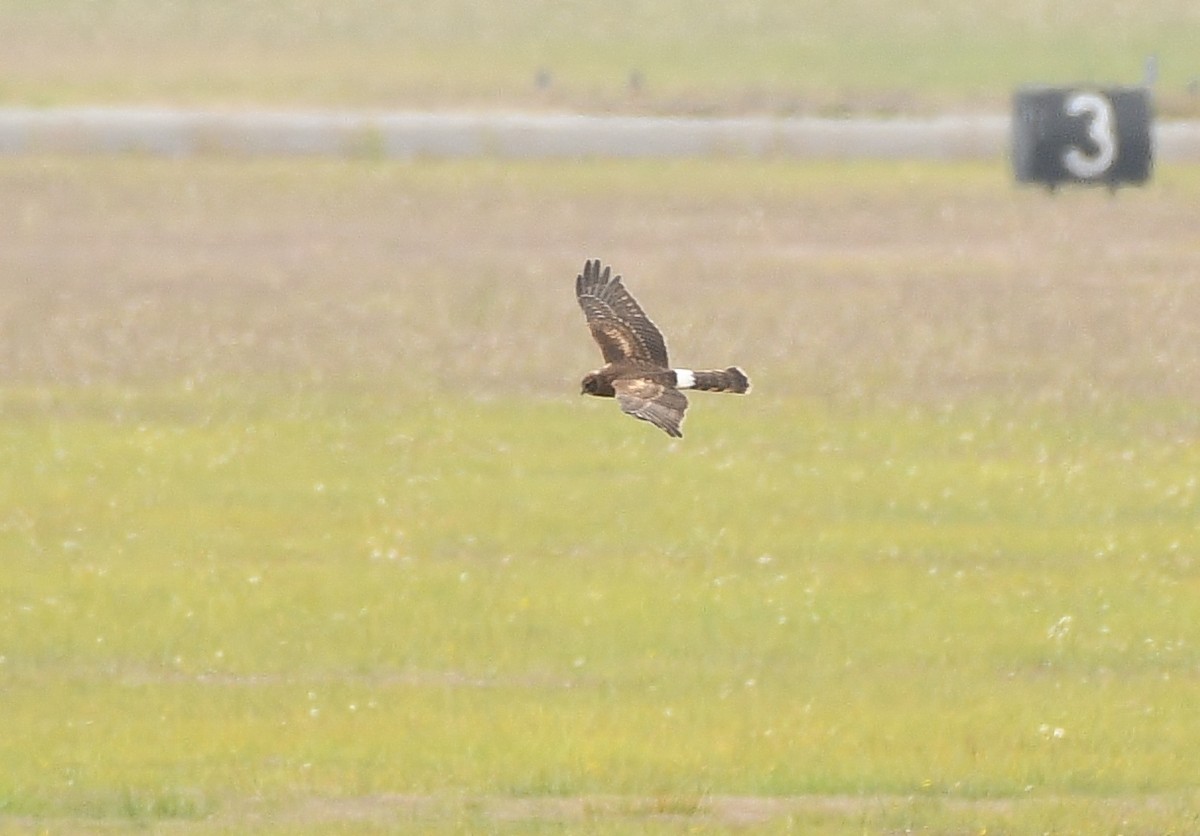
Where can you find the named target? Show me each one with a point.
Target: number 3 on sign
(1101, 130)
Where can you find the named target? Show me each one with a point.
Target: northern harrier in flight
(636, 370)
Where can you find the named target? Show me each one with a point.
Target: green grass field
(773, 56)
(209, 614)
(306, 529)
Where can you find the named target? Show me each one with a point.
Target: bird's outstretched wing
(662, 406)
(618, 324)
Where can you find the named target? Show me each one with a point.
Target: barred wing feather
(618, 324)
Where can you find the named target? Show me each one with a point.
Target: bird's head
(594, 384)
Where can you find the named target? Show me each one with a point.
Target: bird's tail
(731, 379)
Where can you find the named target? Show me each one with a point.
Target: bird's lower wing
(661, 406)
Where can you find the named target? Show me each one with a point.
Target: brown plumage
(636, 371)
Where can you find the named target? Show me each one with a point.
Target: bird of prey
(636, 370)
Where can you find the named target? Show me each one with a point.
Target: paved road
(405, 135)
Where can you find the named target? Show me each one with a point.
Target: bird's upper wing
(662, 406)
(618, 324)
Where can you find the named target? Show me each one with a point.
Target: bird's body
(637, 371)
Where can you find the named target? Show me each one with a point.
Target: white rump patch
(684, 378)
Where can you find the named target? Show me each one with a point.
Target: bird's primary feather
(617, 321)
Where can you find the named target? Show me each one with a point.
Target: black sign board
(1090, 135)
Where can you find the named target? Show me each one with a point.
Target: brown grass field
(913, 282)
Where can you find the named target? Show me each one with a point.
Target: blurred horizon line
(416, 134)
